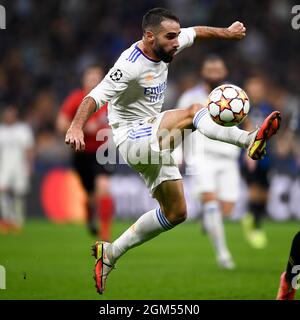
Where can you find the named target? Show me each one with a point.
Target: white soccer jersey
(135, 87)
(198, 94)
(15, 140)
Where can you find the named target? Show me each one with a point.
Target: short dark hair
(155, 16)
(93, 66)
(212, 58)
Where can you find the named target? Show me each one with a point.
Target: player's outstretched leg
(172, 211)
(288, 279)
(255, 141)
(197, 116)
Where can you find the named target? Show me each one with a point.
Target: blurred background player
(288, 280)
(256, 173)
(16, 160)
(94, 177)
(214, 166)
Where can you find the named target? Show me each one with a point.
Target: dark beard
(162, 55)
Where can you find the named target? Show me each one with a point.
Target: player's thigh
(208, 196)
(204, 180)
(258, 192)
(227, 207)
(6, 175)
(173, 123)
(21, 187)
(229, 181)
(20, 183)
(170, 196)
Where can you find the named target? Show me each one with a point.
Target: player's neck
(147, 51)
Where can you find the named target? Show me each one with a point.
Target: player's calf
(171, 199)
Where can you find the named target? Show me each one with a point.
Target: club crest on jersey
(116, 75)
(149, 77)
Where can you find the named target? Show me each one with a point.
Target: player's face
(91, 77)
(165, 41)
(214, 73)
(10, 115)
(255, 88)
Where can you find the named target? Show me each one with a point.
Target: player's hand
(75, 138)
(237, 31)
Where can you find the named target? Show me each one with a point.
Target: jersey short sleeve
(114, 83)
(186, 38)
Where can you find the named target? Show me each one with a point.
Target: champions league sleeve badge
(116, 75)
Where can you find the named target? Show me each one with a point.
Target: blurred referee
(94, 177)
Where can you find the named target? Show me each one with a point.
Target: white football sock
(6, 206)
(233, 135)
(19, 206)
(148, 226)
(213, 223)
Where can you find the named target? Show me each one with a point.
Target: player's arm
(236, 31)
(30, 160)
(29, 150)
(75, 136)
(113, 84)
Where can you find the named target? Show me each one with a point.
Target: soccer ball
(228, 105)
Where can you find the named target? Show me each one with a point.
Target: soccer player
(94, 177)
(16, 162)
(134, 89)
(214, 167)
(288, 279)
(256, 173)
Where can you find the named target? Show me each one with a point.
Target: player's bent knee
(176, 216)
(181, 216)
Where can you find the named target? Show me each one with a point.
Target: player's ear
(149, 36)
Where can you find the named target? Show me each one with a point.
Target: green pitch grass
(50, 261)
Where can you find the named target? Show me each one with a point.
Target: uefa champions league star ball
(228, 105)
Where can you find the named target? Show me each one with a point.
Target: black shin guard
(258, 211)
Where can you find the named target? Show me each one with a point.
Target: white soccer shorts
(217, 174)
(142, 153)
(14, 180)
